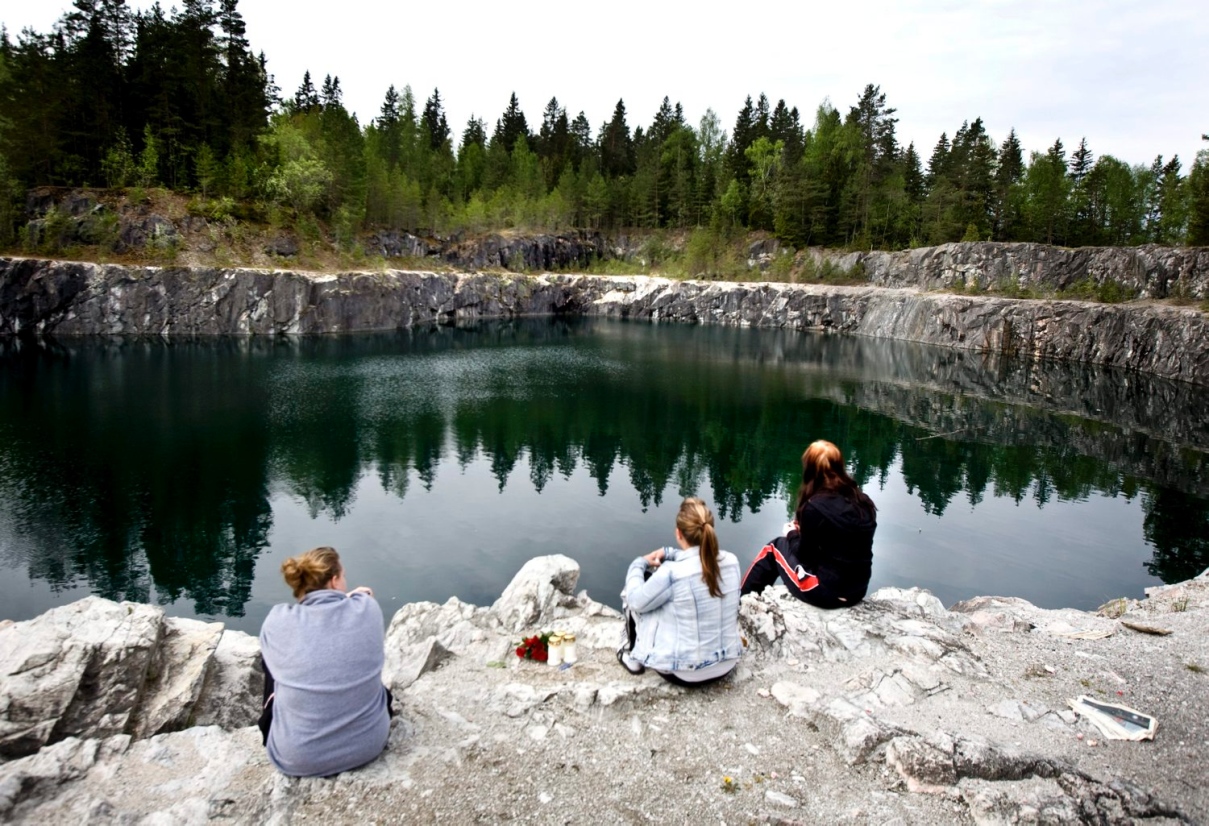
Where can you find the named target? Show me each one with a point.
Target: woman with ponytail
(826, 558)
(326, 709)
(682, 605)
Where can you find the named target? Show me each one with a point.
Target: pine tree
(616, 145)
(664, 124)
(938, 163)
(245, 93)
(914, 186)
(554, 142)
(511, 126)
(746, 130)
(474, 133)
(785, 126)
(1198, 195)
(1009, 171)
(433, 121)
(1173, 213)
(581, 140)
(306, 99)
(1082, 229)
(1080, 162)
(330, 94)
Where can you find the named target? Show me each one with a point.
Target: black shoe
(629, 663)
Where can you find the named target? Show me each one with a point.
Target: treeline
(179, 100)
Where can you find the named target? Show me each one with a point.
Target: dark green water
(438, 461)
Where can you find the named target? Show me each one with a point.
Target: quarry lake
(438, 461)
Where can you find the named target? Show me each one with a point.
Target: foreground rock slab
(897, 710)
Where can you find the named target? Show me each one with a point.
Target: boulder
(96, 669)
(541, 592)
(285, 246)
(76, 671)
(146, 231)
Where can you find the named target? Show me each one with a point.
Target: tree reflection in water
(145, 469)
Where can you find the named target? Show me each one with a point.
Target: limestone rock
(797, 698)
(414, 661)
(174, 679)
(190, 776)
(925, 766)
(780, 799)
(233, 690)
(536, 594)
(77, 670)
(456, 624)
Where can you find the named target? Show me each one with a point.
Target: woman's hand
(362, 589)
(654, 558)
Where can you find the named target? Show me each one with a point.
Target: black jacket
(834, 541)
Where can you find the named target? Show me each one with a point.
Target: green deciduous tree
(1047, 190)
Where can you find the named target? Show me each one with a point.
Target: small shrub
(657, 251)
(1110, 292)
(829, 272)
(781, 268)
(1012, 289)
(308, 228)
(1084, 290)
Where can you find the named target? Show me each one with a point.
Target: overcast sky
(1132, 76)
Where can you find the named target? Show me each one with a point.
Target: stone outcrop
(96, 669)
(65, 299)
(1149, 271)
(894, 710)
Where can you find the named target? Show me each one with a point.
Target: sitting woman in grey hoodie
(682, 605)
(326, 709)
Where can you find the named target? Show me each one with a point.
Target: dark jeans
(266, 714)
(674, 680)
(802, 583)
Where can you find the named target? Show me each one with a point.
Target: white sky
(1130, 75)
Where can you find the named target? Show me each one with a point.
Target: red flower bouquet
(534, 648)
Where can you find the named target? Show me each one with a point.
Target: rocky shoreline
(897, 710)
(40, 297)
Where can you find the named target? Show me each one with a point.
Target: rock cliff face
(896, 710)
(64, 298)
(1140, 272)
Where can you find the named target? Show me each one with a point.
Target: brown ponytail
(311, 571)
(696, 525)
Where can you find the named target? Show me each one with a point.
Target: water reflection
(153, 471)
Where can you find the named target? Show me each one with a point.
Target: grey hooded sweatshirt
(326, 655)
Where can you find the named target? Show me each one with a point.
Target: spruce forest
(179, 100)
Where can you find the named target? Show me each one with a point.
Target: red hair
(823, 471)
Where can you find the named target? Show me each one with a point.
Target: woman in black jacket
(827, 558)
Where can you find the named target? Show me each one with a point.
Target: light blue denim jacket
(680, 627)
